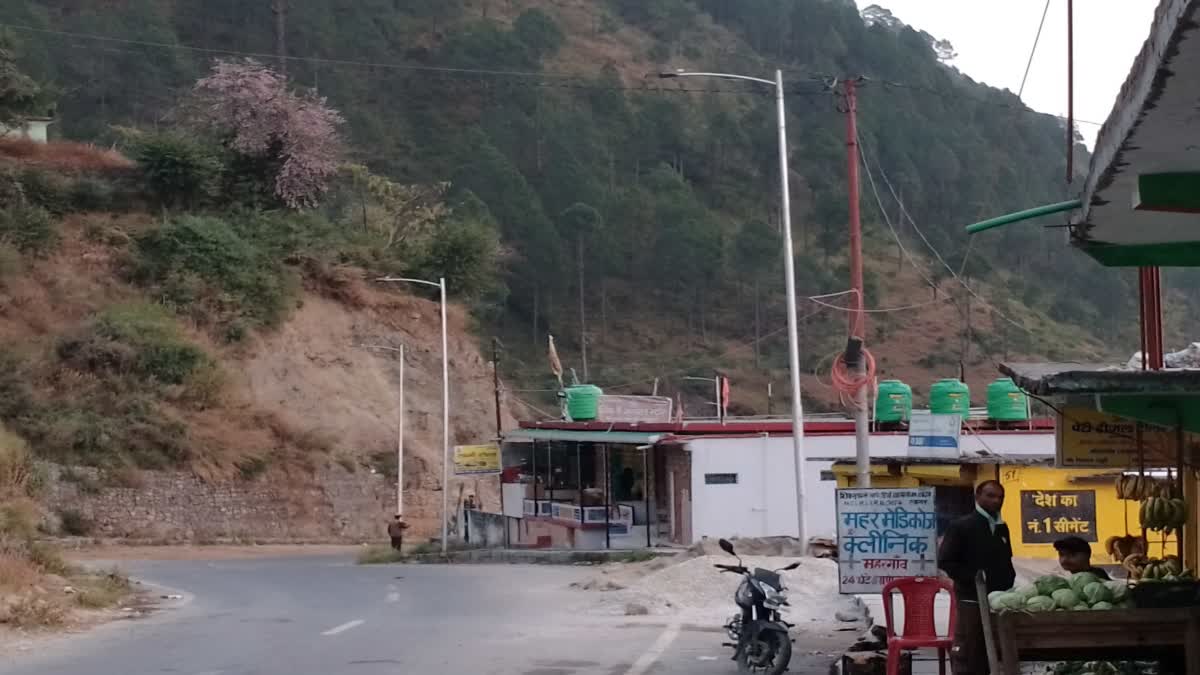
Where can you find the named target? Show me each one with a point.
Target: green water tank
(1006, 402)
(950, 397)
(583, 402)
(893, 402)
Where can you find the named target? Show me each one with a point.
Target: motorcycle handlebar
(730, 568)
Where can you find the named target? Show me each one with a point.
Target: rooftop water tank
(950, 397)
(1006, 402)
(583, 402)
(893, 402)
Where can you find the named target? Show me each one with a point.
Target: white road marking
(642, 665)
(344, 627)
(393, 596)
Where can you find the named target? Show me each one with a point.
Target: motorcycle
(760, 636)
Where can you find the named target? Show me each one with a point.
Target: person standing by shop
(976, 542)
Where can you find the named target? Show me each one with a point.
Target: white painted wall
(37, 131)
(763, 503)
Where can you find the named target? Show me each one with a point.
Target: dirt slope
(318, 375)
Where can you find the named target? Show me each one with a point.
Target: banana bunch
(1145, 569)
(1163, 514)
(1138, 488)
(1120, 548)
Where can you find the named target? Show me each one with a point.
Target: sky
(994, 39)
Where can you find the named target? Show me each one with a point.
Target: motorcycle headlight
(773, 597)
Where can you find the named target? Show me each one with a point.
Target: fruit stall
(1111, 624)
(1139, 427)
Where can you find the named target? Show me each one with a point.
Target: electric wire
(1037, 38)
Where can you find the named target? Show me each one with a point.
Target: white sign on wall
(931, 435)
(884, 534)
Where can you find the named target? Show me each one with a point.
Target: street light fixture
(789, 282)
(440, 284)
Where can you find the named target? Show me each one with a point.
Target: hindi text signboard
(1050, 515)
(474, 460)
(1087, 437)
(634, 409)
(885, 534)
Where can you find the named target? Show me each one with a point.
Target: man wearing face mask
(978, 541)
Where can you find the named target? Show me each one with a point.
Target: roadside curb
(531, 557)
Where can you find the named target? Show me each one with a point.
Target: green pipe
(1024, 215)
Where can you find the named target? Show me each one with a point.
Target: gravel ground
(690, 589)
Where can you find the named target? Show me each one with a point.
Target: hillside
(531, 137)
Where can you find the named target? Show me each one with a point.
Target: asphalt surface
(327, 616)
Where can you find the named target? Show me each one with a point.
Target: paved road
(327, 616)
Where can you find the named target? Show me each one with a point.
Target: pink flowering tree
(256, 115)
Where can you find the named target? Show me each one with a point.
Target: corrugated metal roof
(1051, 379)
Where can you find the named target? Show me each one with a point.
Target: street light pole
(440, 284)
(400, 444)
(399, 428)
(789, 285)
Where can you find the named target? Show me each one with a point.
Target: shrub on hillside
(49, 190)
(11, 264)
(91, 194)
(137, 338)
(204, 265)
(108, 429)
(18, 476)
(11, 191)
(176, 170)
(465, 249)
(29, 229)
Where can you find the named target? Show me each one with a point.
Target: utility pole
(582, 311)
(280, 9)
(858, 327)
(496, 382)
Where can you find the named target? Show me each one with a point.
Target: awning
(1058, 379)
(612, 437)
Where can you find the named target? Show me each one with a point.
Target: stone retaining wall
(330, 504)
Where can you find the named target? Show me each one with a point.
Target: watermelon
(1039, 603)
(1006, 600)
(1102, 605)
(1050, 583)
(1081, 579)
(1097, 592)
(1065, 598)
(1027, 591)
(1119, 589)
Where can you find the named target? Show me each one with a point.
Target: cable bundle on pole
(845, 377)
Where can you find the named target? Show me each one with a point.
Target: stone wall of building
(328, 505)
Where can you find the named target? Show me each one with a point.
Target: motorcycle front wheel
(769, 654)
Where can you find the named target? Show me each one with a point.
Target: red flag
(725, 394)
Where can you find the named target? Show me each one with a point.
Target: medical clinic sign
(885, 534)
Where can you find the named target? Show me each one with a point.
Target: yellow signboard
(476, 459)
(1090, 438)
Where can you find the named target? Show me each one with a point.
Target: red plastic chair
(920, 631)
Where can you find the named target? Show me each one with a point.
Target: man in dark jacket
(396, 530)
(976, 542)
